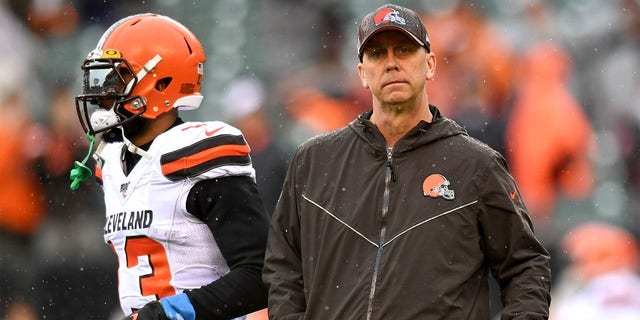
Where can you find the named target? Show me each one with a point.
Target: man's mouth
(393, 82)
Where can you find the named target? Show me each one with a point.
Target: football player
(183, 215)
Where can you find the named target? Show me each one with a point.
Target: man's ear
(363, 79)
(431, 65)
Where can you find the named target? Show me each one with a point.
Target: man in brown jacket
(400, 214)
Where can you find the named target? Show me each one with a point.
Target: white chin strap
(133, 148)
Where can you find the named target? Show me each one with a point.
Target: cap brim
(387, 28)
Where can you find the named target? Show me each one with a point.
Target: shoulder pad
(203, 146)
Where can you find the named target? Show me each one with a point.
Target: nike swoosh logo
(513, 195)
(212, 132)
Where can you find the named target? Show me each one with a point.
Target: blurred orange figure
(318, 111)
(602, 280)
(549, 138)
(597, 248)
(21, 196)
(475, 65)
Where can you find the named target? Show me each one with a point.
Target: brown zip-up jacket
(363, 232)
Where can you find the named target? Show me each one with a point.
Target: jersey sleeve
(233, 210)
(206, 150)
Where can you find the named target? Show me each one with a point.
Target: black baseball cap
(392, 17)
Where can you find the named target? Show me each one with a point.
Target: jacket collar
(423, 133)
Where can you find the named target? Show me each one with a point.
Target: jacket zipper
(389, 176)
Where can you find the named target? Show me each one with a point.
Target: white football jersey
(163, 250)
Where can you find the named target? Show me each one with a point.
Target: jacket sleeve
(517, 260)
(283, 267)
(233, 210)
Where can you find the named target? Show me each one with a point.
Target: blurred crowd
(554, 85)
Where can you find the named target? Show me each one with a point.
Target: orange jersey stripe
(98, 173)
(204, 156)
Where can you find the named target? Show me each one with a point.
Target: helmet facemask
(107, 86)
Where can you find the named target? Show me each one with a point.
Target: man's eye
(405, 50)
(375, 52)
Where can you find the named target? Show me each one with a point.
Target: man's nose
(391, 61)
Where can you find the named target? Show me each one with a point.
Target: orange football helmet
(143, 66)
(436, 185)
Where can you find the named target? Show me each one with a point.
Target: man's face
(395, 68)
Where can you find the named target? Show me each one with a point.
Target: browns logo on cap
(392, 17)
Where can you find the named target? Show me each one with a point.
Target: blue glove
(178, 307)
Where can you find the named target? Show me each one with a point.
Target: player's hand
(151, 311)
(177, 307)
